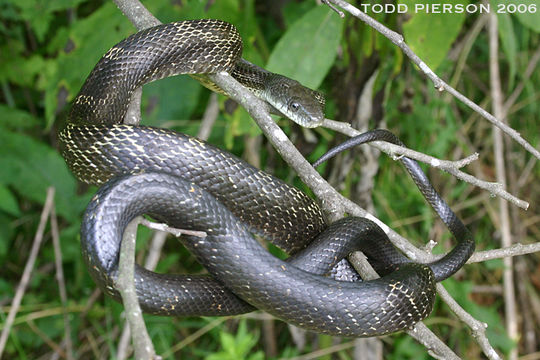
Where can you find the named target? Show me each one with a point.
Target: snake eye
(295, 106)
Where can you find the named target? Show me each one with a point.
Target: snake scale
(190, 184)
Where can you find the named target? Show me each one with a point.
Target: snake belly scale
(192, 185)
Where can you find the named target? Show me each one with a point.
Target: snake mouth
(294, 101)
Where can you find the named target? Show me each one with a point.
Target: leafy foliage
(238, 346)
(47, 48)
(431, 35)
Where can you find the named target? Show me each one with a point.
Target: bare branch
(500, 171)
(451, 167)
(513, 250)
(478, 328)
(174, 231)
(61, 284)
(158, 240)
(137, 13)
(133, 113)
(209, 118)
(144, 349)
(142, 19)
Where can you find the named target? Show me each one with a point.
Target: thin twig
(339, 12)
(144, 349)
(123, 349)
(526, 76)
(197, 334)
(439, 84)
(209, 118)
(25, 278)
(478, 328)
(61, 283)
(500, 173)
(513, 250)
(174, 231)
(46, 339)
(451, 167)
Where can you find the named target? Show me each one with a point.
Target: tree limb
(144, 348)
(451, 167)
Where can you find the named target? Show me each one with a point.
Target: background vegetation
(48, 47)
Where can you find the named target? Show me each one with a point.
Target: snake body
(190, 184)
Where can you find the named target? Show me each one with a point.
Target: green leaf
(86, 45)
(17, 68)
(8, 203)
(13, 118)
(509, 44)
(29, 167)
(239, 123)
(530, 17)
(430, 35)
(40, 13)
(6, 239)
(308, 49)
(170, 99)
(228, 343)
(237, 347)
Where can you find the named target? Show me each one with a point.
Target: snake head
(295, 101)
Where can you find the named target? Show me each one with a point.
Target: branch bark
(500, 170)
(144, 348)
(61, 284)
(451, 167)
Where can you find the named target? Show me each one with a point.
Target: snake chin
(291, 99)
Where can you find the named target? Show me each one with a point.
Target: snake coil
(190, 184)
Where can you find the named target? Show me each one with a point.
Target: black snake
(190, 184)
